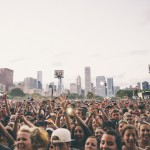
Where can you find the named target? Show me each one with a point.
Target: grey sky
(110, 36)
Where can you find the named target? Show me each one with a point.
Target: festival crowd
(63, 124)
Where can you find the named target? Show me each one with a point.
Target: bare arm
(10, 138)
(66, 116)
(27, 122)
(6, 105)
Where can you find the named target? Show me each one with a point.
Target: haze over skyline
(112, 37)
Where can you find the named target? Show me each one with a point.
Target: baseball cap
(61, 135)
(50, 129)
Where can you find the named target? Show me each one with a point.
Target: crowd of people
(63, 124)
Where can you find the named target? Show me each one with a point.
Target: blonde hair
(39, 138)
(25, 128)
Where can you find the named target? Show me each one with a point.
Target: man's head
(115, 114)
(128, 117)
(61, 139)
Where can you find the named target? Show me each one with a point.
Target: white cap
(61, 135)
(50, 129)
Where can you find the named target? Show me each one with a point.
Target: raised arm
(64, 105)
(80, 121)
(2, 128)
(6, 104)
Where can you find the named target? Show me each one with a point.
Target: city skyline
(83, 81)
(111, 37)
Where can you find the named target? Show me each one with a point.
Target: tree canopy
(122, 93)
(17, 92)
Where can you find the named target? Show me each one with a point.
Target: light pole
(59, 74)
(105, 88)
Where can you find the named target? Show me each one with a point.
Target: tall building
(139, 85)
(93, 89)
(116, 89)
(79, 88)
(29, 83)
(145, 85)
(39, 79)
(100, 86)
(73, 88)
(6, 77)
(87, 80)
(110, 87)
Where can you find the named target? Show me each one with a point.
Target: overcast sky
(110, 36)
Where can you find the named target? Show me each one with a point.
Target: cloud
(62, 54)
(139, 52)
(18, 59)
(146, 17)
(57, 64)
(120, 75)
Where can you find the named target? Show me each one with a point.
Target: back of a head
(108, 125)
(39, 138)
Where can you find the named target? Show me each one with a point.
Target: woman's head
(136, 121)
(31, 138)
(110, 140)
(129, 135)
(121, 124)
(78, 133)
(94, 124)
(144, 131)
(79, 112)
(98, 133)
(91, 143)
(24, 138)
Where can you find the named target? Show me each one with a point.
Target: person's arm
(64, 105)
(50, 106)
(81, 122)
(16, 125)
(105, 117)
(34, 110)
(58, 116)
(16, 107)
(6, 105)
(89, 120)
(10, 138)
(41, 105)
(51, 124)
(27, 122)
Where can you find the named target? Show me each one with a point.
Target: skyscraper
(116, 89)
(87, 80)
(29, 83)
(6, 77)
(39, 79)
(139, 85)
(73, 88)
(110, 87)
(145, 85)
(79, 88)
(100, 86)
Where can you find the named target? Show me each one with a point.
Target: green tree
(17, 92)
(99, 97)
(90, 95)
(122, 93)
(72, 96)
